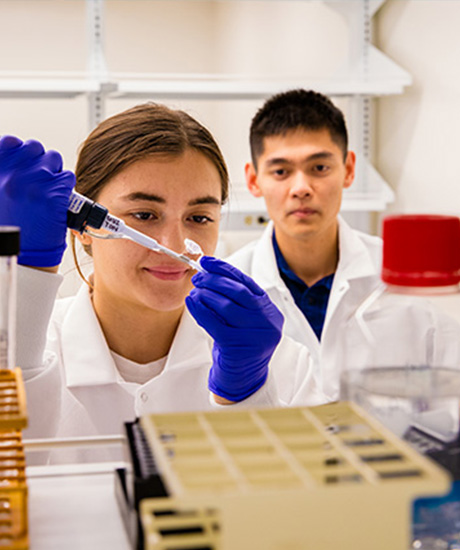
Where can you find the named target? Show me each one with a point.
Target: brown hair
(147, 130)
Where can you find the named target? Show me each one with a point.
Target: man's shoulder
(370, 245)
(243, 256)
(371, 241)
(357, 245)
(351, 233)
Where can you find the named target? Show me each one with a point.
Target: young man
(314, 267)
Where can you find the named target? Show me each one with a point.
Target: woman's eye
(201, 220)
(144, 216)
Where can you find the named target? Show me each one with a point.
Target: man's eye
(321, 168)
(280, 172)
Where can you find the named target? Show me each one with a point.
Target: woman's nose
(172, 237)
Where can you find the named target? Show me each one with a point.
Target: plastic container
(295, 478)
(413, 318)
(9, 250)
(407, 326)
(402, 360)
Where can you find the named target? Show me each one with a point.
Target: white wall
(418, 139)
(278, 39)
(416, 146)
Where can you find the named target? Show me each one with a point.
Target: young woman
(126, 345)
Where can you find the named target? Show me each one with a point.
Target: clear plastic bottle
(402, 357)
(413, 318)
(9, 250)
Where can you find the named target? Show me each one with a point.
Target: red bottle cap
(421, 250)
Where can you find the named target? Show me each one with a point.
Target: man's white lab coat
(77, 391)
(407, 331)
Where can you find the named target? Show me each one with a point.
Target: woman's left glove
(245, 324)
(34, 195)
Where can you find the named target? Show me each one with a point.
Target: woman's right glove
(34, 195)
(245, 324)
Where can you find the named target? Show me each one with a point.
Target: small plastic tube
(148, 242)
(9, 250)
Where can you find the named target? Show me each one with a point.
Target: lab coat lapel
(355, 272)
(355, 260)
(183, 384)
(355, 278)
(264, 270)
(191, 346)
(86, 356)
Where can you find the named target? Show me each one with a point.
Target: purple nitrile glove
(245, 324)
(34, 195)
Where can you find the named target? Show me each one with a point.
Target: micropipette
(83, 213)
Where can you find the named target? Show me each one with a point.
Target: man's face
(301, 176)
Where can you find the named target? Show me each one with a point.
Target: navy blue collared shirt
(312, 301)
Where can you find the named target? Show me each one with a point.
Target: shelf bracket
(359, 18)
(96, 65)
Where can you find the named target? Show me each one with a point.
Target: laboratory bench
(221, 468)
(73, 505)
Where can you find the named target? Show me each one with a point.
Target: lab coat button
(144, 397)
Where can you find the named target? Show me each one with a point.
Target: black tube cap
(9, 240)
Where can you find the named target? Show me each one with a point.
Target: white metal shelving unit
(370, 75)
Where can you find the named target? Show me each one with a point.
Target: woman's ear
(84, 238)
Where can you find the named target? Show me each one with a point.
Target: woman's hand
(34, 195)
(245, 325)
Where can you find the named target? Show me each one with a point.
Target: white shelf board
(245, 212)
(49, 84)
(227, 88)
(382, 69)
(380, 77)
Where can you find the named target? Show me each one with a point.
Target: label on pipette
(112, 224)
(83, 212)
(76, 202)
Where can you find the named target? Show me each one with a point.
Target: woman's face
(169, 199)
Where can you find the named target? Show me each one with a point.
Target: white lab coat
(406, 330)
(72, 384)
(356, 277)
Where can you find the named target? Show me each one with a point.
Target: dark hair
(294, 110)
(147, 130)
